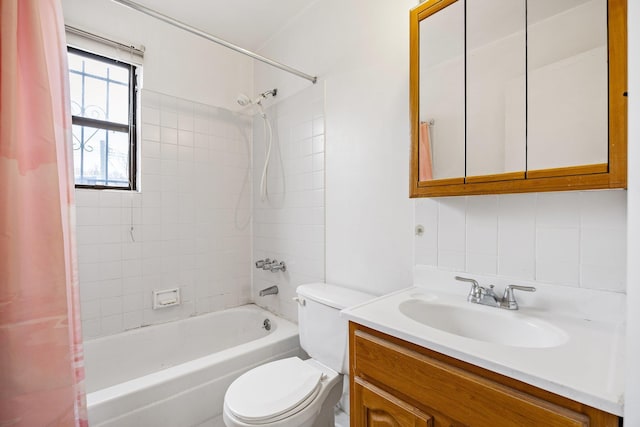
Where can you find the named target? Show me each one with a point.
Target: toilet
(294, 392)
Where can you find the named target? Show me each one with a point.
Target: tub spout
(273, 290)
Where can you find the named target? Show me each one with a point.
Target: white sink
(492, 325)
(570, 342)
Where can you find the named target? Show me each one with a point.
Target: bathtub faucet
(271, 265)
(273, 290)
(277, 266)
(261, 263)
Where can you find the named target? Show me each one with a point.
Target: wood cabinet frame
(598, 176)
(441, 391)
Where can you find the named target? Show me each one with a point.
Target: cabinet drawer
(467, 398)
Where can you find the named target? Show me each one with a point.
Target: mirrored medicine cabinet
(511, 96)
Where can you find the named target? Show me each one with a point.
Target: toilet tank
(323, 332)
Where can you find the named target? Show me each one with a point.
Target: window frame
(131, 127)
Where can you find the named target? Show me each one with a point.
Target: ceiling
(246, 23)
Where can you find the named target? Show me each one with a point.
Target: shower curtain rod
(125, 47)
(197, 32)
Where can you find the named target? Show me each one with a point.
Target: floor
(213, 422)
(342, 419)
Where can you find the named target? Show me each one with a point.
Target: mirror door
(496, 90)
(517, 96)
(567, 82)
(442, 95)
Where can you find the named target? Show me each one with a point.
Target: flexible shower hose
(268, 143)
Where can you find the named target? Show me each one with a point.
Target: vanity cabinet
(396, 383)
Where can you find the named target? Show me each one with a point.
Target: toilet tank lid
(332, 295)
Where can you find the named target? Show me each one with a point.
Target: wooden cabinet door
(454, 394)
(465, 397)
(377, 408)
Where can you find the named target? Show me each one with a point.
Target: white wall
(289, 224)
(191, 221)
(192, 213)
(360, 51)
(176, 63)
(367, 140)
(632, 392)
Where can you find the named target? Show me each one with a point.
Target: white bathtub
(176, 374)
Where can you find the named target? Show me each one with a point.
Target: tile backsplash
(188, 226)
(564, 238)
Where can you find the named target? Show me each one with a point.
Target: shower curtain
(425, 171)
(41, 362)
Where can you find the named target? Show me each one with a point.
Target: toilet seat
(273, 391)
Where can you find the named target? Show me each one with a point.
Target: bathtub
(176, 374)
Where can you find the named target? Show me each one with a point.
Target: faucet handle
(277, 266)
(509, 299)
(269, 263)
(476, 289)
(262, 262)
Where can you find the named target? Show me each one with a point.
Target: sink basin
(492, 325)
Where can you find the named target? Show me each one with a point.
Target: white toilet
(293, 392)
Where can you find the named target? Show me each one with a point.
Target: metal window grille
(103, 104)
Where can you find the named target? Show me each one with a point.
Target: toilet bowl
(294, 392)
(285, 393)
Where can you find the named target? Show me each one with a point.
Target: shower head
(272, 92)
(244, 100)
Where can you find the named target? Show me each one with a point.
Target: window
(103, 108)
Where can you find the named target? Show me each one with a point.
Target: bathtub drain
(266, 324)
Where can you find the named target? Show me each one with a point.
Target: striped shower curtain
(41, 362)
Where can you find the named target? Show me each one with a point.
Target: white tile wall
(190, 221)
(565, 238)
(289, 226)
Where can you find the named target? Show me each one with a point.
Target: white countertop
(587, 368)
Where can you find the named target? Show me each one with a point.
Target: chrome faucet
(509, 300)
(277, 266)
(272, 290)
(271, 265)
(261, 263)
(486, 296)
